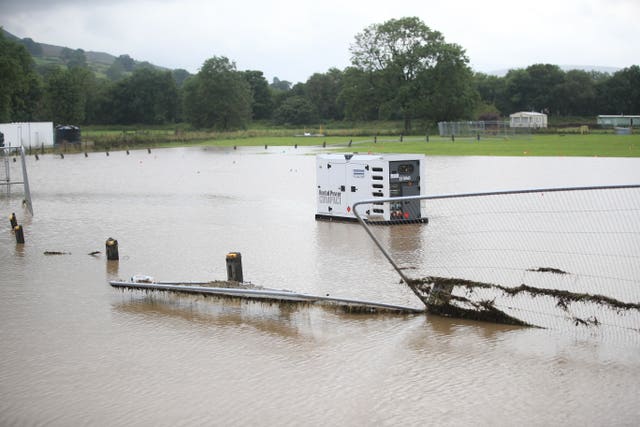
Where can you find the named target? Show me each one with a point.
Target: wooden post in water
(19, 234)
(440, 295)
(112, 249)
(234, 267)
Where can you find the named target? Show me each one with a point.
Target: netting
(552, 258)
(491, 129)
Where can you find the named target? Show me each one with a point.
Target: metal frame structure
(5, 153)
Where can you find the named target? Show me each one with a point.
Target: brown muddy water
(77, 352)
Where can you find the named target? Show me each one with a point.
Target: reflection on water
(75, 351)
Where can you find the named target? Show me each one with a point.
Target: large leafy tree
(535, 88)
(280, 85)
(67, 92)
(359, 95)
(404, 56)
(180, 75)
(73, 58)
(20, 85)
(446, 90)
(122, 66)
(621, 92)
(491, 90)
(323, 92)
(262, 104)
(218, 96)
(148, 96)
(296, 110)
(577, 94)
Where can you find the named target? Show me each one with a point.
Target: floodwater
(77, 352)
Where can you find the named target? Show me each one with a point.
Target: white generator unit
(344, 179)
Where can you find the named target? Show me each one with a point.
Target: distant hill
(47, 54)
(56, 51)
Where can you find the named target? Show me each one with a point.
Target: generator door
(404, 180)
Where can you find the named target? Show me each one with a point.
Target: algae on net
(437, 295)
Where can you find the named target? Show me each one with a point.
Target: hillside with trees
(401, 70)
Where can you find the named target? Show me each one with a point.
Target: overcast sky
(292, 39)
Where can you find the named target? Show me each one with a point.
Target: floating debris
(591, 321)
(56, 253)
(547, 270)
(94, 253)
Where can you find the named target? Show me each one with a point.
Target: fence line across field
(485, 129)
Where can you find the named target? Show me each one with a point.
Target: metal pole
(368, 230)
(25, 180)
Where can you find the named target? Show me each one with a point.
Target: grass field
(538, 145)
(590, 145)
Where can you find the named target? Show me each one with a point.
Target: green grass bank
(588, 145)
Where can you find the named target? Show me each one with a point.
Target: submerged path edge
(262, 294)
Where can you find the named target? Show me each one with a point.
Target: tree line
(400, 70)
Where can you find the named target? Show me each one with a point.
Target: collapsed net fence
(553, 258)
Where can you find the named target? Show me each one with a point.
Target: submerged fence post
(234, 267)
(112, 249)
(440, 295)
(19, 234)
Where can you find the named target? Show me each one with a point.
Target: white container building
(28, 134)
(344, 179)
